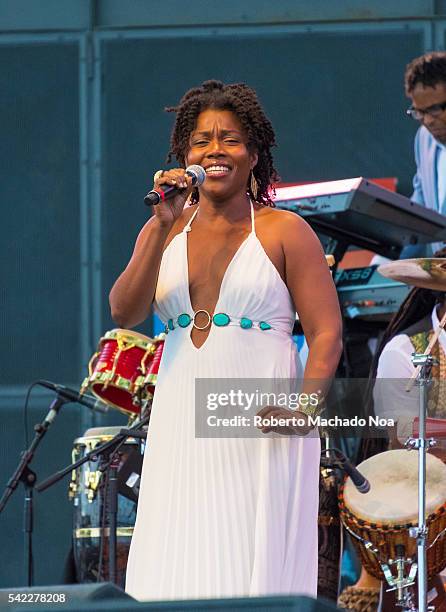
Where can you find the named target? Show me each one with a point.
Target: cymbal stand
(403, 580)
(423, 363)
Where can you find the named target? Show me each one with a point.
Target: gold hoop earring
(253, 185)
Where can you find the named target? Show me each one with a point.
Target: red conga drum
(153, 367)
(118, 370)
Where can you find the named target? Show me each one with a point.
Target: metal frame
(72, 15)
(257, 30)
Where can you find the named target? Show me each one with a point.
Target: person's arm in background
(418, 250)
(391, 400)
(417, 195)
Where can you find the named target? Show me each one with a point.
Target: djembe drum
(379, 521)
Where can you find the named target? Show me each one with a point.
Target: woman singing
(224, 516)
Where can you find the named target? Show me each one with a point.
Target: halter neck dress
(224, 517)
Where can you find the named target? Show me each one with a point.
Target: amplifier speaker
(119, 604)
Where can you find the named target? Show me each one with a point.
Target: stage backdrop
(83, 130)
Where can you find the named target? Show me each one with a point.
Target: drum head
(102, 432)
(393, 495)
(98, 435)
(130, 336)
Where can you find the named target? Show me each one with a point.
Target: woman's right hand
(168, 211)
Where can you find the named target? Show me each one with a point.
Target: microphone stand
(109, 450)
(23, 473)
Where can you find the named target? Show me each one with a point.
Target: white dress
(226, 517)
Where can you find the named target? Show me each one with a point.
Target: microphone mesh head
(197, 173)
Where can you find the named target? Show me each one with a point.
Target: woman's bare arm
(132, 294)
(312, 289)
(310, 284)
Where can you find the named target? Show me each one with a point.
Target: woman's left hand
(297, 421)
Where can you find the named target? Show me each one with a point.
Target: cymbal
(427, 273)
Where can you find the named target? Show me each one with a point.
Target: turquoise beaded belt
(220, 319)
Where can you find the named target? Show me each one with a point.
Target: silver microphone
(155, 196)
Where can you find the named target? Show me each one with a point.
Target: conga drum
(89, 496)
(151, 370)
(379, 521)
(118, 370)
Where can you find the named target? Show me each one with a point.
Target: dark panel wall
(39, 267)
(39, 270)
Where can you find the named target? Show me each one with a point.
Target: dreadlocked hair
(418, 304)
(428, 69)
(243, 102)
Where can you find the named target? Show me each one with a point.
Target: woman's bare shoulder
(282, 222)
